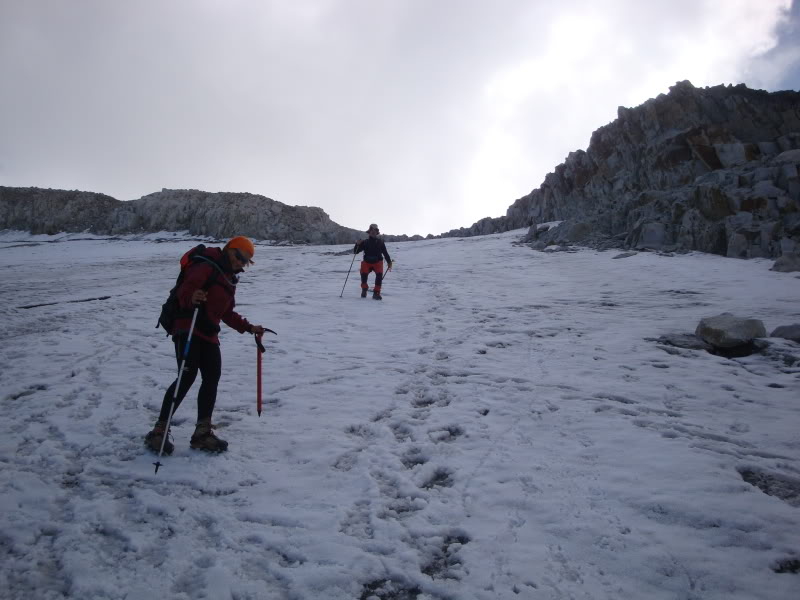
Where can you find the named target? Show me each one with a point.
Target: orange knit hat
(242, 243)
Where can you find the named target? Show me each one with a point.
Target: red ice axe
(259, 351)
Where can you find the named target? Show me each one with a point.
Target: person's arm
(196, 277)
(236, 321)
(358, 247)
(386, 254)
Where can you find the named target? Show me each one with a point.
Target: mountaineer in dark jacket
(210, 282)
(374, 253)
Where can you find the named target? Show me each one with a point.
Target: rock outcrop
(219, 215)
(483, 227)
(710, 169)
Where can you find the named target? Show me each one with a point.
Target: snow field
(502, 425)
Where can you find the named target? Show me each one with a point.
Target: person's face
(373, 233)
(239, 259)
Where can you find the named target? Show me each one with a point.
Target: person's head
(239, 251)
(373, 230)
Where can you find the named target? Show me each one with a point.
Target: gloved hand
(390, 265)
(355, 248)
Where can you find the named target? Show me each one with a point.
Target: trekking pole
(177, 386)
(348, 273)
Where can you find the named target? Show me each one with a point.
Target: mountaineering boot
(364, 293)
(204, 438)
(153, 439)
(376, 296)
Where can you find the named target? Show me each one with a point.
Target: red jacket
(220, 303)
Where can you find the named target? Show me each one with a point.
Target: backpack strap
(217, 271)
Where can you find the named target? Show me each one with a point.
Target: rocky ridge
(710, 169)
(218, 215)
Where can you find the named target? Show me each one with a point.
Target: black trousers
(204, 357)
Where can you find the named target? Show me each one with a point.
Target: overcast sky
(420, 115)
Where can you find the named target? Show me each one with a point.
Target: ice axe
(259, 351)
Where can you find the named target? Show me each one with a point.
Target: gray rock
(533, 232)
(684, 340)
(729, 331)
(626, 254)
(788, 263)
(790, 156)
(787, 332)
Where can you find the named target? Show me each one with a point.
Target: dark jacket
(220, 303)
(373, 249)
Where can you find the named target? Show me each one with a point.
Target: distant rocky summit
(218, 215)
(711, 169)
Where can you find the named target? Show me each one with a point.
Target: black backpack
(171, 310)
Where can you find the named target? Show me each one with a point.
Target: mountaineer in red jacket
(210, 282)
(374, 253)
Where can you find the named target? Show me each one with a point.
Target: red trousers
(366, 269)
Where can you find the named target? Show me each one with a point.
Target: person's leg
(364, 270)
(210, 370)
(210, 365)
(155, 437)
(189, 375)
(378, 267)
(376, 291)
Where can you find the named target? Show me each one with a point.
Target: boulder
(788, 263)
(684, 340)
(533, 232)
(729, 331)
(787, 332)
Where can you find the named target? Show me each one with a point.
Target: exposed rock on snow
(788, 332)
(788, 263)
(684, 340)
(774, 484)
(729, 331)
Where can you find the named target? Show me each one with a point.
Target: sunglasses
(241, 258)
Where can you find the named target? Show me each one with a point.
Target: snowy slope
(498, 427)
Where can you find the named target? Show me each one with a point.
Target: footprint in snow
(402, 432)
(441, 477)
(447, 434)
(414, 457)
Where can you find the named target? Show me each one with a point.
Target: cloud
(422, 116)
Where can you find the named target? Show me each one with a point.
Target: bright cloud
(421, 116)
